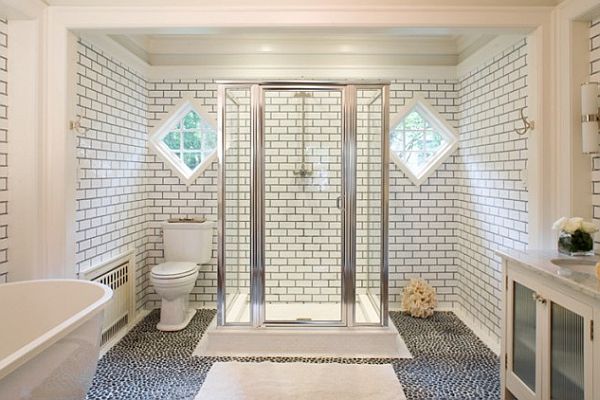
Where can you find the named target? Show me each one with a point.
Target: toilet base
(171, 327)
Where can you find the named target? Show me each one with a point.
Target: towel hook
(76, 126)
(527, 125)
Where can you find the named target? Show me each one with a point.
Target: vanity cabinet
(548, 347)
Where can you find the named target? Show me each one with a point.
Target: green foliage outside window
(192, 140)
(415, 140)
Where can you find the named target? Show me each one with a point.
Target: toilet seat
(174, 270)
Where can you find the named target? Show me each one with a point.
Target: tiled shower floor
(449, 362)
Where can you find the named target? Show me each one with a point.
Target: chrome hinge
(506, 283)
(592, 330)
(505, 360)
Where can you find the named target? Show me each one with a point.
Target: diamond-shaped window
(186, 139)
(421, 140)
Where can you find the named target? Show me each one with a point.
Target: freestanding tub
(50, 338)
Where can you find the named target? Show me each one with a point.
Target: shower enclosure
(303, 199)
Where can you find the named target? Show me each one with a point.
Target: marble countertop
(581, 277)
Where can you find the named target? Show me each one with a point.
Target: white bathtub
(49, 338)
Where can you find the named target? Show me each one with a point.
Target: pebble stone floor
(449, 362)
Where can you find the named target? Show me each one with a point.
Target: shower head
(302, 95)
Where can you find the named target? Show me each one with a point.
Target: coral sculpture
(419, 299)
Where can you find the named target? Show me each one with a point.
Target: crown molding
(22, 9)
(134, 44)
(329, 4)
(117, 52)
(578, 10)
(232, 71)
(312, 73)
(486, 53)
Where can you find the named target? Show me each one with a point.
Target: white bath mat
(300, 381)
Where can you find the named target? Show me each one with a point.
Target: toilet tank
(188, 241)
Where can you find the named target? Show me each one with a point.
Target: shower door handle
(339, 203)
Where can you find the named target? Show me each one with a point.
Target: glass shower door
(371, 139)
(302, 201)
(235, 194)
(303, 205)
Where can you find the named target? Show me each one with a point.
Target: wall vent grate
(118, 274)
(116, 314)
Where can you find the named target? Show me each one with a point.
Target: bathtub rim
(24, 354)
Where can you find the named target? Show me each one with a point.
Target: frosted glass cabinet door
(524, 344)
(548, 341)
(570, 371)
(566, 354)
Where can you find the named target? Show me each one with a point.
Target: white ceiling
(322, 46)
(287, 48)
(303, 3)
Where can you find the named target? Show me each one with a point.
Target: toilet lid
(174, 269)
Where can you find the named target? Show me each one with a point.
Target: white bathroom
(242, 201)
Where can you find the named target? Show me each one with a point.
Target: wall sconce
(590, 118)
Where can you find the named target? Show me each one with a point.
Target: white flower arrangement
(419, 299)
(575, 238)
(574, 224)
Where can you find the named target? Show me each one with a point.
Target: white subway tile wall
(434, 231)
(595, 49)
(369, 128)
(303, 225)
(3, 151)
(421, 219)
(168, 197)
(491, 199)
(303, 237)
(595, 77)
(421, 224)
(112, 189)
(237, 168)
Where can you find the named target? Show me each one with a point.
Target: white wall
(169, 197)
(3, 151)
(491, 199)
(595, 77)
(303, 228)
(112, 165)
(422, 227)
(421, 218)
(421, 222)
(444, 231)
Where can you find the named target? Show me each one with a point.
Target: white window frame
(166, 125)
(440, 124)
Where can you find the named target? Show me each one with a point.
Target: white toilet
(187, 245)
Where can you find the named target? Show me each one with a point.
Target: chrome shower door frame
(385, 195)
(257, 194)
(346, 286)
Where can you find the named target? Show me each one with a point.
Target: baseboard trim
(489, 340)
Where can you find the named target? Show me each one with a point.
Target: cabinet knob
(539, 298)
(542, 300)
